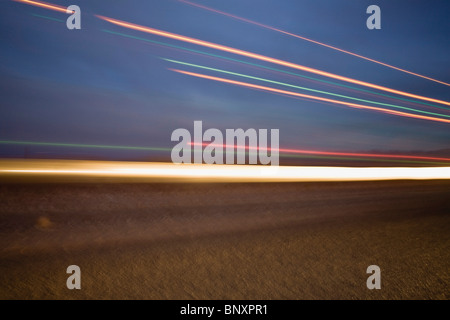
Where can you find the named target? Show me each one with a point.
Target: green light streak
(48, 18)
(302, 88)
(77, 145)
(283, 155)
(270, 68)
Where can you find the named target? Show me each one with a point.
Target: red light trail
(326, 153)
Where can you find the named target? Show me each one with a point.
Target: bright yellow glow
(156, 171)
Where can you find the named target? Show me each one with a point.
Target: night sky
(94, 86)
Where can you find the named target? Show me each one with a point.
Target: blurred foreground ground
(225, 241)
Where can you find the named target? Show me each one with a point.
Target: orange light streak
(44, 5)
(263, 58)
(295, 94)
(310, 40)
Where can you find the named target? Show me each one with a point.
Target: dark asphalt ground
(225, 241)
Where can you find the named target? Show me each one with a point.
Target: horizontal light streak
(330, 153)
(79, 145)
(212, 173)
(284, 152)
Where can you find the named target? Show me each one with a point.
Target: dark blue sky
(92, 87)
